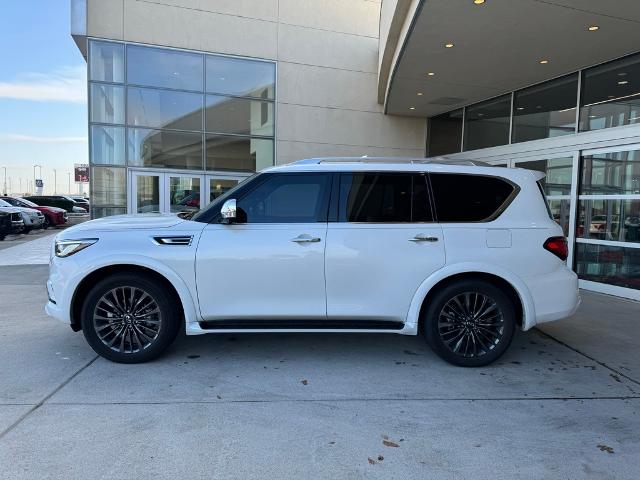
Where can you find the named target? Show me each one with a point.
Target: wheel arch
(509, 282)
(85, 285)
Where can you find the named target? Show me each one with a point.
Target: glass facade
(486, 124)
(609, 97)
(158, 108)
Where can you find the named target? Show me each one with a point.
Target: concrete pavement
(317, 406)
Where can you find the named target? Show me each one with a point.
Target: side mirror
(228, 211)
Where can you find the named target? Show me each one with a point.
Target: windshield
(28, 203)
(201, 214)
(4, 204)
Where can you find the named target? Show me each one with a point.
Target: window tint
(486, 124)
(468, 198)
(383, 198)
(445, 133)
(292, 198)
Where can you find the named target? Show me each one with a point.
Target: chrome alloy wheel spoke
(471, 324)
(127, 319)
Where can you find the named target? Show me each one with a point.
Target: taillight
(558, 246)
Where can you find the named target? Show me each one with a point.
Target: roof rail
(432, 160)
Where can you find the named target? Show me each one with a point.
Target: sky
(43, 112)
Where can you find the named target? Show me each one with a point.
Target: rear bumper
(555, 295)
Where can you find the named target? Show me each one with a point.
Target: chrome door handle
(305, 238)
(421, 237)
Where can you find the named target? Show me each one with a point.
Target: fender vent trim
(180, 240)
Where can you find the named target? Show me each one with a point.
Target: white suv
(460, 252)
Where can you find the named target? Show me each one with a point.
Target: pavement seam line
(47, 397)
(346, 400)
(602, 364)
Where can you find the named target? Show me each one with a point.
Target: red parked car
(53, 216)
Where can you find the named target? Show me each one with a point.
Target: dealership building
(187, 97)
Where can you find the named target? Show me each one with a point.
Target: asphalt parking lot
(564, 402)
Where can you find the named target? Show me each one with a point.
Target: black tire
(26, 230)
(47, 223)
(469, 323)
(160, 328)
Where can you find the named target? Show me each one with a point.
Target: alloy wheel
(127, 319)
(471, 324)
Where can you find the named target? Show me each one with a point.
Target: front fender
(528, 308)
(189, 306)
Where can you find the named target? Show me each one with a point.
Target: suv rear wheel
(469, 323)
(128, 318)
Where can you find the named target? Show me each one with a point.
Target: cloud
(68, 84)
(16, 137)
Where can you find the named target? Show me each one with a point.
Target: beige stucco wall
(327, 53)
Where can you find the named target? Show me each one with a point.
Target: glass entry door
(151, 192)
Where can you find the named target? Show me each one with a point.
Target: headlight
(65, 248)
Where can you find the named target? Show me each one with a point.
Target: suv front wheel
(129, 318)
(469, 323)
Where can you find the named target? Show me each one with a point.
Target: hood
(10, 209)
(126, 222)
(52, 209)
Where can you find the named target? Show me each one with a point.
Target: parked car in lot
(6, 226)
(60, 201)
(32, 219)
(81, 202)
(461, 253)
(53, 216)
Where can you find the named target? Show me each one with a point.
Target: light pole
(69, 178)
(55, 181)
(4, 190)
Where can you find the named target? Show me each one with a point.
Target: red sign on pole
(81, 172)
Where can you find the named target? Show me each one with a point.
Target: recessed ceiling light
(623, 82)
(412, 108)
(622, 74)
(419, 94)
(520, 108)
(478, 2)
(594, 28)
(448, 45)
(481, 114)
(544, 62)
(431, 74)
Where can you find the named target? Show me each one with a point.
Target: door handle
(305, 238)
(421, 237)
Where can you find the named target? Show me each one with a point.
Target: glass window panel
(616, 220)
(238, 116)
(237, 76)
(106, 62)
(468, 198)
(107, 103)
(108, 187)
(611, 173)
(560, 212)
(558, 171)
(486, 124)
(107, 145)
(238, 153)
(545, 110)
(149, 107)
(147, 193)
(158, 148)
(291, 198)
(220, 186)
(611, 94)
(606, 264)
(184, 194)
(445, 133)
(158, 67)
(99, 212)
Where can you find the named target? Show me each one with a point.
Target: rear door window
(469, 198)
(380, 197)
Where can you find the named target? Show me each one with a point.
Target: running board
(301, 325)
